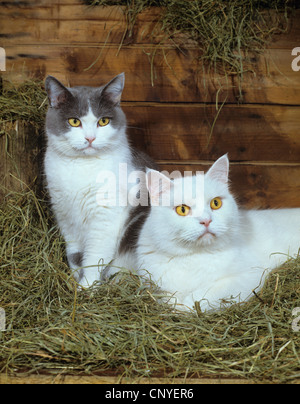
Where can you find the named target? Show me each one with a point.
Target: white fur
(224, 265)
(72, 168)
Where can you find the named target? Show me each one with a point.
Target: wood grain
(68, 379)
(157, 74)
(246, 132)
(20, 158)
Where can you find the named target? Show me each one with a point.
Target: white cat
(207, 249)
(87, 153)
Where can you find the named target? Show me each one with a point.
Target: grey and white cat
(88, 163)
(205, 248)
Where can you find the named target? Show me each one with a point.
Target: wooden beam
(153, 74)
(188, 132)
(68, 379)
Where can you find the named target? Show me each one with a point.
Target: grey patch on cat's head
(75, 102)
(113, 90)
(105, 101)
(58, 94)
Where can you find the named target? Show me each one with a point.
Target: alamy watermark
(2, 319)
(296, 61)
(296, 320)
(122, 188)
(2, 60)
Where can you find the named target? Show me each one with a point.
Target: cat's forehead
(213, 188)
(88, 99)
(194, 190)
(187, 182)
(189, 189)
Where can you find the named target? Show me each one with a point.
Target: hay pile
(120, 327)
(22, 102)
(226, 32)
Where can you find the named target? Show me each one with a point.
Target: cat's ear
(113, 90)
(58, 94)
(158, 185)
(220, 170)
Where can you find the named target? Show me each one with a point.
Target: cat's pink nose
(206, 222)
(90, 139)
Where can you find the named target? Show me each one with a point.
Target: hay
(120, 326)
(25, 102)
(226, 32)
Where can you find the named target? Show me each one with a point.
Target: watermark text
(2, 60)
(2, 319)
(296, 321)
(136, 188)
(296, 61)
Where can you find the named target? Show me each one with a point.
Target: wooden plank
(157, 74)
(68, 379)
(255, 186)
(20, 158)
(75, 22)
(62, 24)
(246, 132)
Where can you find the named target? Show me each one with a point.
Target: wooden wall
(170, 103)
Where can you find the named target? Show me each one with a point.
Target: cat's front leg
(86, 268)
(95, 259)
(91, 270)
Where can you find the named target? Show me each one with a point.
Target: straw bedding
(120, 326)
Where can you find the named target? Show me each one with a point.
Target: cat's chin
(87, 151)
(90, 151)
(206, 239)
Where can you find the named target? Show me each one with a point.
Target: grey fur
(138, 214)
(75, 259)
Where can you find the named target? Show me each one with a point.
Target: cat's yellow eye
(103, 121)
(182, 210)
(216, 203)
(75, 122)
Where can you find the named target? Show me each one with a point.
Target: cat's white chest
(76, 186)
(67, 178)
